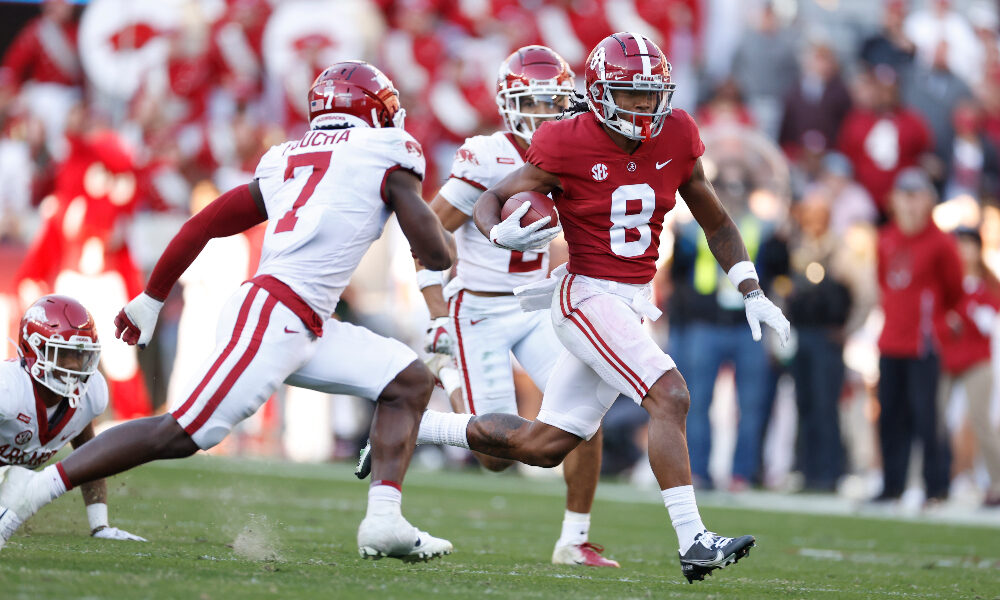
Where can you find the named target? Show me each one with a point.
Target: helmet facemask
(64, 366)
(524, 108)
(633, 125)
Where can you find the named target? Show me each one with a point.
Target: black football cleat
(364, 468)
(711, 551)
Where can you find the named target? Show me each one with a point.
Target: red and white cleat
(586, 554)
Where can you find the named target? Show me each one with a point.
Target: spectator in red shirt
(965, 333)
(882, 137)
(919, 276)
(43, 66)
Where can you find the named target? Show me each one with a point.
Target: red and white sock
(385, 498)
(684, 514)
(58, 484)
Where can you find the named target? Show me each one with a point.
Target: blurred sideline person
(326, 197)
(919, 275)
(51, 394)
(613, 170)
(477, 318)
(965, 333)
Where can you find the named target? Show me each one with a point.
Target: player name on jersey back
(325, 199)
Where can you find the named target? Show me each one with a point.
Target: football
(541, 206)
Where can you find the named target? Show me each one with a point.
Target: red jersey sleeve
(693, 141)
(545, 151)
(951, 272)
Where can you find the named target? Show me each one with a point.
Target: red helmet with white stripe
(58, 345)
(630, 62)
(354, 93)
(534, 84)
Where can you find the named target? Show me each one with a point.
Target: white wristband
(742, 271)
(97, 514)
(426, 278)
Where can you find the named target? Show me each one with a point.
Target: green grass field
(223, 528)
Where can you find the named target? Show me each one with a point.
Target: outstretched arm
(235, 211)
(95, 498)
(727, 246)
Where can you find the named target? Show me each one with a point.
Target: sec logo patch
(23, 438)
(599, 171)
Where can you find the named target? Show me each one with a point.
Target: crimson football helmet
(534, 84)
(632, 62)
(354, 93)
(58, 345)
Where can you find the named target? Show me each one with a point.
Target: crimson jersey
(611, 204)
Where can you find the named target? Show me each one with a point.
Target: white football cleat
(585, 554)
(20, 497)
(393, 536)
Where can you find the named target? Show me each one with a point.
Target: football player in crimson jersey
(326, 198)
(52, 393)
(613, 172)
(477, 319)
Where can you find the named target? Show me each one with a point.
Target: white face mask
(65, 366)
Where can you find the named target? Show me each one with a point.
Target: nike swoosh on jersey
(660, 165)
(474, 321)
(287, 330)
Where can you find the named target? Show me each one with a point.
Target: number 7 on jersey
(319, 161)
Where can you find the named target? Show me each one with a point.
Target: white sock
(384, 500)
(684, 514)
(450, 380)
(444, 429)
(575, 529)
(56, 484)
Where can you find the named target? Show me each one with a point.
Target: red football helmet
(534, 84)
(58, 345)
(354, 93)
(632, 62)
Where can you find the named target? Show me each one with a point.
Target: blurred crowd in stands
(854, 143)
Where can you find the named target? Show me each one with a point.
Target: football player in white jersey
(326, 197)
(51, 394)
(477, 318)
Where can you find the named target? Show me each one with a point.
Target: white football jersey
(26, 437)
(483, 267)
(326, 203)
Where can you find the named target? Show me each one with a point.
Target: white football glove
(510, 235)
(438, 339)
(761, 310)
(113, 533)
(135, 323)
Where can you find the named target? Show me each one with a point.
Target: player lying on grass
(614, 171)
(476, 318)
(51, 394)
(327, 197)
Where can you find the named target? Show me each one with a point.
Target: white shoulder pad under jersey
(326, 202)
(27, 438)
(479, 164)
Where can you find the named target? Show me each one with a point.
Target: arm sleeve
(696, 146)
(461, 194)
(231, 213)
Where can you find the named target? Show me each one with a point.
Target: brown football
(541, 206)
